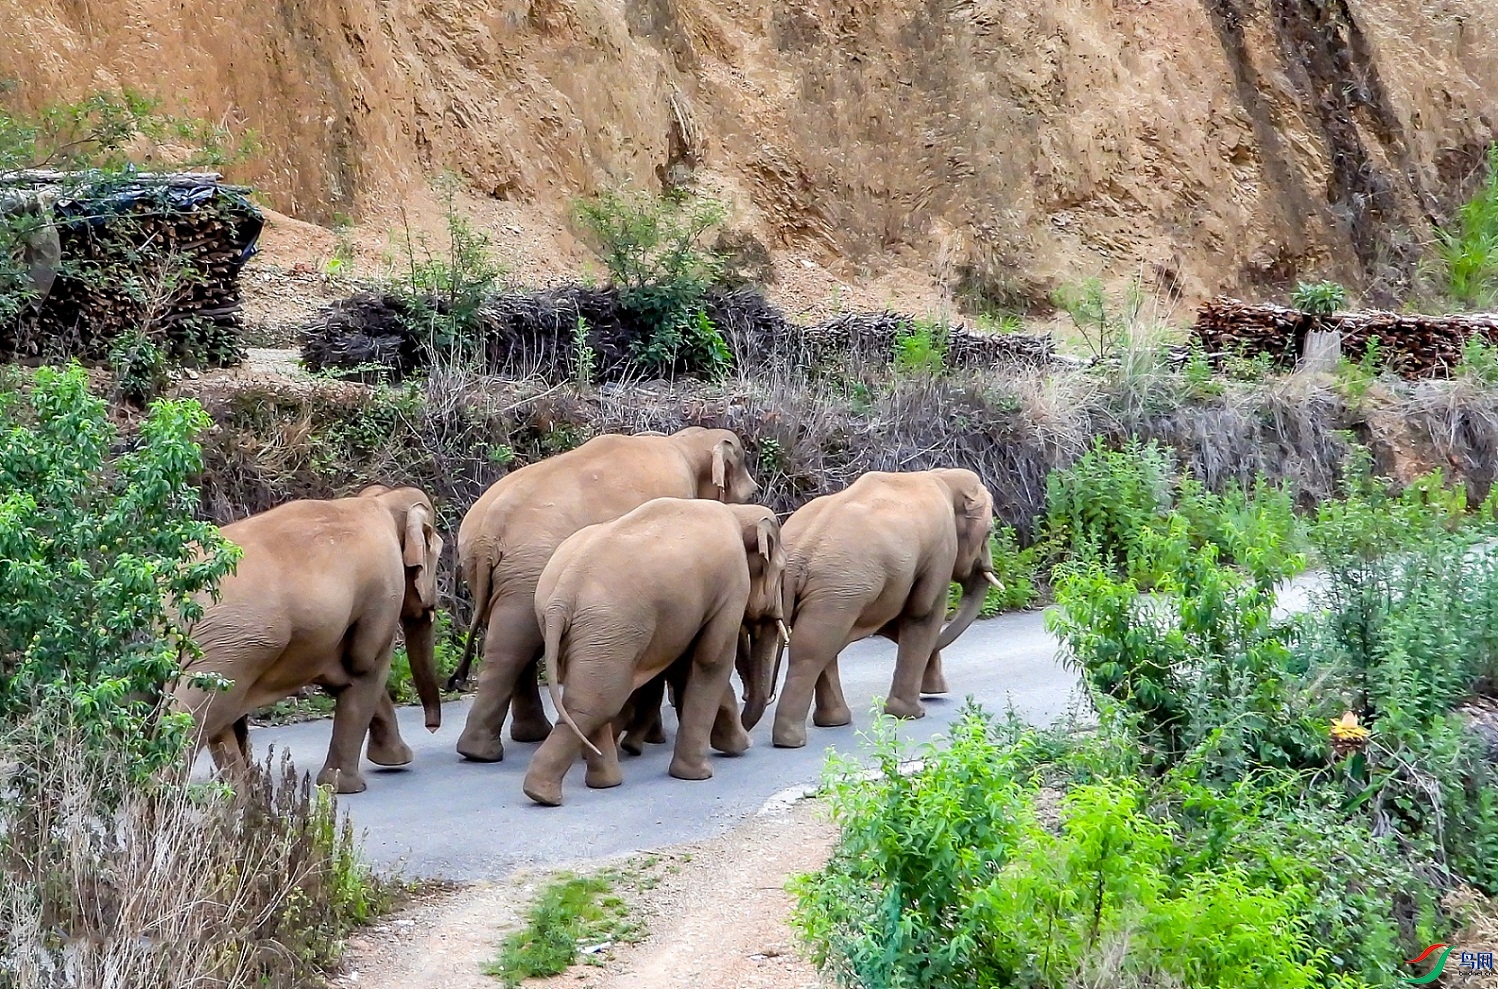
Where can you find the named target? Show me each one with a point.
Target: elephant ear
(974, 520)
(422, 547)
(720, 467)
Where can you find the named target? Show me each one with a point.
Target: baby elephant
(619, 602)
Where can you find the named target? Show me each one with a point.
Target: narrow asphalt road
(445, 817)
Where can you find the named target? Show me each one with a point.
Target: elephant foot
(530, 731)
(933, 682)
(656, 735)
(390, 754)
(342, 781)
(603, 779)
(895, 707)
(688, 769)
(547, 793)
(481, 747)
(832, 718)
(790, 737)
(632, 744)
(733, 741)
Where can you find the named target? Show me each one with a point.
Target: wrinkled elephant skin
(666, 587)
(317, 598)
(510, 533)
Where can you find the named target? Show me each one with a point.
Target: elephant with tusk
(877, 558)
(317, 598)
(510, 533)
(671, 584)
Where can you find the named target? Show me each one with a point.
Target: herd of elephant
(630, 566)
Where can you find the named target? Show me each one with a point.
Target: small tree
(653, 250)
(100, 557)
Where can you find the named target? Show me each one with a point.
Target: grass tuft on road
(572, 914)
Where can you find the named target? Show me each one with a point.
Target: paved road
(445, 817)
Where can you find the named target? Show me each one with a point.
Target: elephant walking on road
(877, 558)
(620, 602)
(509, 534)
(317, 597)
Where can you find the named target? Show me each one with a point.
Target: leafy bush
(100, 557)
(973, 872)
(445, 287)
(1468, 249)
(115, 868)
(1319, 298)
(921, 349)
(652, 248)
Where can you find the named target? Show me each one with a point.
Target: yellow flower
(1347, 729)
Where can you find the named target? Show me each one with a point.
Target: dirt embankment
(897, 146)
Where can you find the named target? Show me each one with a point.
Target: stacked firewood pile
(153, 255)
(1416, 346)
(876, 334)
(376, 334)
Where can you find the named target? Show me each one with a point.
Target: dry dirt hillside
(998, 146)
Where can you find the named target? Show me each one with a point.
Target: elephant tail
(480, 586)
(556, 624)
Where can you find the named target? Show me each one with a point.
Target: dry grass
(170, 885)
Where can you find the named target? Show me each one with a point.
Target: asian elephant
(317, 597)
(877, 558)
(621, 602)
(510, 533)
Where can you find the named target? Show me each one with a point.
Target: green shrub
(1319, 298)
(100, 555)
(446, 285)
(1104, 506)
(921, 348)
(1468, 249)
(652, 248)
(1479, 362)
(970, 872)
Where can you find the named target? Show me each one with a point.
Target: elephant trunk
(974, 591)
(421, 643)
(760, 668)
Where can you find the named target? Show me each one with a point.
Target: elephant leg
(918, 635)
(728, 735)
(528, 722)
(228, 758)
(510, 650)
(819, 636)
(603, 770)
(644, 718)
(386, 747)
(242, 738)
(353, 710)
(934, 681)
(594, 698)
(831, 710)
(707, 680)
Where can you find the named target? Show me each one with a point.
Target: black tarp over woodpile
(1416, 346)
(374, 333)
(158, 254)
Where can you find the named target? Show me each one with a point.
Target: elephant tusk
(988, 576)
(785, 633)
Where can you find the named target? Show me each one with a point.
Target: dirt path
(715, 911)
